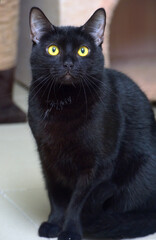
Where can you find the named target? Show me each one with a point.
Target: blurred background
(129, 46)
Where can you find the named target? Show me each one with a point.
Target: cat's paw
(49, 230)
(69, 236)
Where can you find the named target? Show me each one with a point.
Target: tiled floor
(23, 200)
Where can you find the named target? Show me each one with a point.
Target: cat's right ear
(39, 24)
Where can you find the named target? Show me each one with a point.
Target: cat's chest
(65, 152)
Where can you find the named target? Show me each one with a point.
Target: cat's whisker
(91, 85)
(94, 79)
(50, 88)
(46, 88)
(44, 82)
(91, 90)
(40, 82)
(55, 90)
(85, 97)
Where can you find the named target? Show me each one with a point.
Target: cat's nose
(68, 65)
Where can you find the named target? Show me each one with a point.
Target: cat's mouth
(68, 78)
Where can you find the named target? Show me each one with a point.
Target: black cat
(96, 135)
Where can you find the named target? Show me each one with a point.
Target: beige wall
(77, 12)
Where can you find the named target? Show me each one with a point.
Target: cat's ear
(39, 24)
(95, 26)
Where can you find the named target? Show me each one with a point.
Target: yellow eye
(83, 51)
(53, 50)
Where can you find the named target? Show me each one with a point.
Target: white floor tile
(20, 167)
(15, 225)
(149, 237)
(34, 202)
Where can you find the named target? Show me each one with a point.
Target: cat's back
(125, 86)
(132, 99)
(139, 120)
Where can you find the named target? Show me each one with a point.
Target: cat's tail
(125, 225)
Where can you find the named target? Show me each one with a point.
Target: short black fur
(96, 136)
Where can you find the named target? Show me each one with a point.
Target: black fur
(96, 137)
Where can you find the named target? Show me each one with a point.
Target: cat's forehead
(73, 36)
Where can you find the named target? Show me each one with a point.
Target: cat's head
(67, 55)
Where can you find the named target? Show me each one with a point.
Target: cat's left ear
(39, 24)
(95, 26)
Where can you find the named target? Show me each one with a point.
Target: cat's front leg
(72, 229)
(53, 226)
(59, 200)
